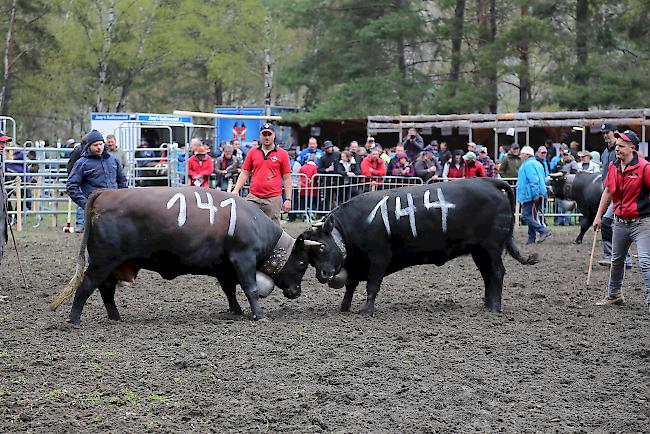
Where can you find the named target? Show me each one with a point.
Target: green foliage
(333, 58)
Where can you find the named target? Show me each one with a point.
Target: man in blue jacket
(312, 148)
(531, 193)
(94, 170)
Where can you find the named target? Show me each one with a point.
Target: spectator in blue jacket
(312, 148)
(96, 169)
(531, 193)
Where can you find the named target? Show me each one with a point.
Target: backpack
(76, 154)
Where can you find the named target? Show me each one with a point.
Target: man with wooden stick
(628, 187)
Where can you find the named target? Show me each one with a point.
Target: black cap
(606, 128)
(267, 127)
(328, 144)
(628, 136)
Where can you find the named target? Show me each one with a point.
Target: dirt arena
(430, 360)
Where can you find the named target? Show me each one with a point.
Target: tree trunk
(524, 69)
(487, 73)
(457, 39)
(218, 92)
(401, 63)
(582, 56)
(132, 73)
(268, 66)
(7, 59)
(100, 102)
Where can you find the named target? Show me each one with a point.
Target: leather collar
(279, 255)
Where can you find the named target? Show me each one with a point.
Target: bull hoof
(262, 319)
(113, 314)
(493, 308)
(367, 311)
(236, 311)
(345, 307)
(577, 242)
(74, 322)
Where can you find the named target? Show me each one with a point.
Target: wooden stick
(591, 258)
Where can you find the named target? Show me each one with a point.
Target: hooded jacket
(92, 172)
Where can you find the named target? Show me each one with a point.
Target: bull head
(326, 251)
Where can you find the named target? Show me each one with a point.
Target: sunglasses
(267, 133)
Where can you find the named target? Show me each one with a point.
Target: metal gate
(147, 166)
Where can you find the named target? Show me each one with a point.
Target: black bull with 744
(379, 233)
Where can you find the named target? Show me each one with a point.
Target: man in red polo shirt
(628, 186)
(269, 165)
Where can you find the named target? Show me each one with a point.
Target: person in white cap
(531, 193)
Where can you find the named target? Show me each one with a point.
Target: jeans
(79, 222)
(530, 216)
(607, 228)
(624, 235)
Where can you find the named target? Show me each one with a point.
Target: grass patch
(55, 394)
(158, 398)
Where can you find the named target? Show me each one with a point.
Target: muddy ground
(430, 360)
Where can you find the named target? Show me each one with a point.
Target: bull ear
(328, 226)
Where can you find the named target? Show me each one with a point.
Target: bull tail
(80, 264)
(510, 244)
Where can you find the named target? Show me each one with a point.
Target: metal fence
(35, 178)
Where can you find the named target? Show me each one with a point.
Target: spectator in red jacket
(199, 167)
(372, 165)
(309, 169)
(473, 168)
(455, 168)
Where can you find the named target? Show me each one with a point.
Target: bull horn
(311, 243)
(557, 175)
(318, 224)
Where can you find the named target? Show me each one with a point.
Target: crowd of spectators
(410, 158)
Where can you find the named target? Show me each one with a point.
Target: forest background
(332, 59)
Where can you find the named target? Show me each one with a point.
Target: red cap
(4, 138)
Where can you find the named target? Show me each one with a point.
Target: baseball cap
(628, 136)
(527, 150)
(370, 139)
(566, 152)
(4, 137)
(470, 156)
(483, 150)
(606, 128)
(542, 149)
(428, 148)
(514, 146)
(328, 144)
(584, 153)
(267, 127)
(401, 155)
